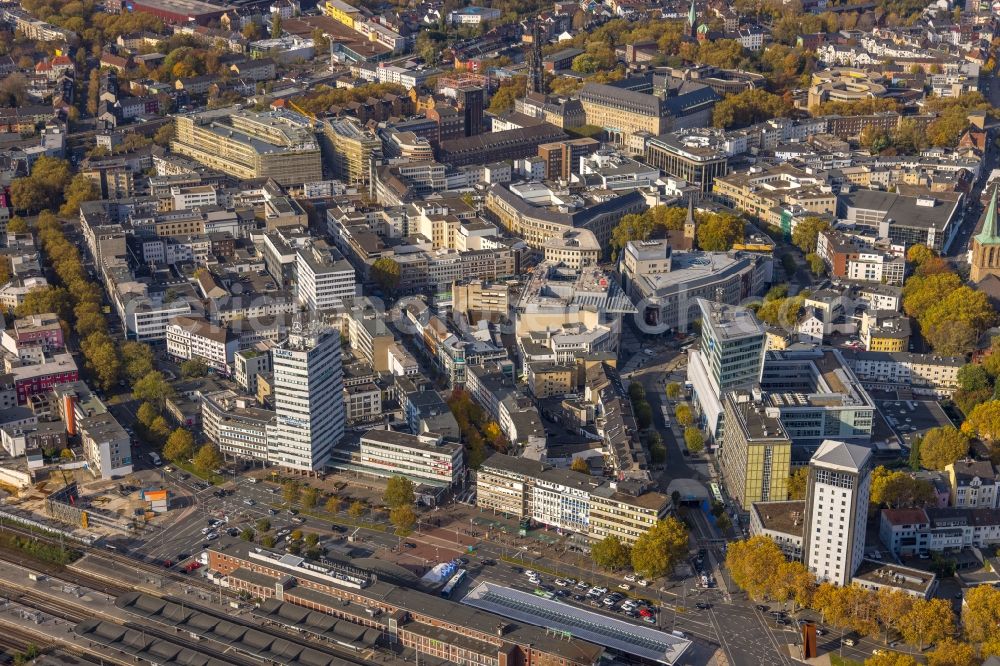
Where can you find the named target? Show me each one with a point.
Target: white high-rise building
(833, 544)
(308, 397)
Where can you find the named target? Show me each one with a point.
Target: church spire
(988, 235)
(693, 19)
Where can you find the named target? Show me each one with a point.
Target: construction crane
(307, 114)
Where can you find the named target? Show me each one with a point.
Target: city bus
(453, 583)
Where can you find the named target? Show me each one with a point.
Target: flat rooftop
(626, 637)
(785, 517)
(893, 575)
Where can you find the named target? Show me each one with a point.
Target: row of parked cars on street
(581, 592)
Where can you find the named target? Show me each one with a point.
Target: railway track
(44, 603)
(96, 583)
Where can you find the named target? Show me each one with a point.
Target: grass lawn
(837, 660)
(211, 477)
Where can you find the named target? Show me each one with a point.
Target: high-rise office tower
(837, 495)
(471, 101)
(731, 355)
(308, 397)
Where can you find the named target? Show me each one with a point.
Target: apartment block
(193, 337)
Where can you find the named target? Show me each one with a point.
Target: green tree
(291, 491)
(973, 377)
(984, 421)
(684, 414)
(717, 232)
(816, 264)
(897, 489)
(942, 446)
(194, 367)
(694, 440)
(146, 413)
(179, 446)
(164, 135)
(403, 518)
(247, 534)
(503, 99)
(357, 509)
(207, 458)
(268, 541)
(263, 525)
(310, 497)
(276, 25)
(914, 458)
(806, 232)
(399, 492)
(580, 465)
(659, 549)
(586, 63)
(386, 273)
(138, 360)
(102, 359)
(610, 553)
(154, 388)
(159, 430)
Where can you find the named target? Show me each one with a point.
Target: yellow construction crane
(307, 114)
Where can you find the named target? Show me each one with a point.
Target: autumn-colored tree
(580, 465)
(950, 652)
(753, 563)
(357, 509)
(798, 483)
(751, 106)
(684, 414)
(890, 658)
(891, 606)
(659, 549)
(694, 440)
(179, 446)
(928, 621)
(897, 489)
(333, 504)
(717, 232)
(981, 618)
(942, 446)
(674, 390)
(984, 421)
(154, 388)
(403, 518)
